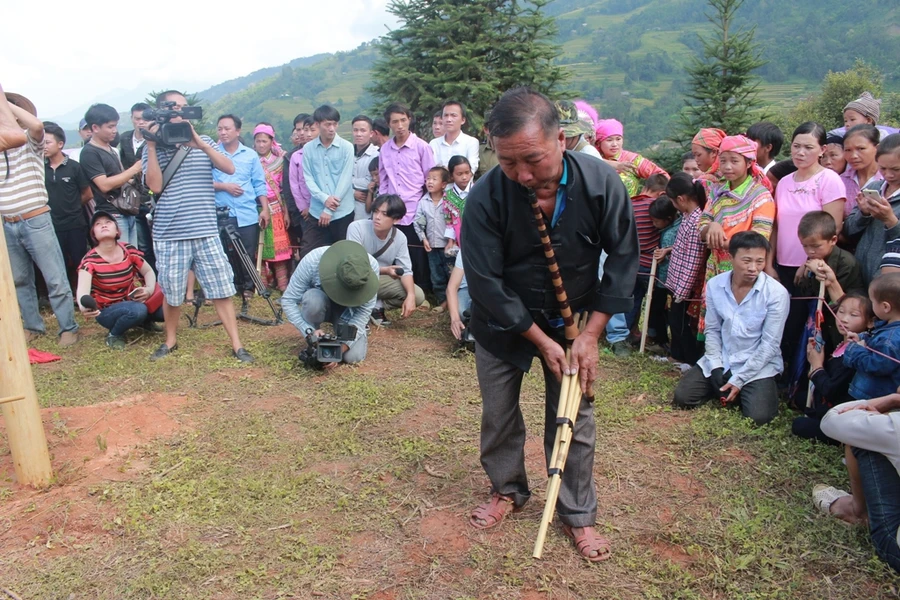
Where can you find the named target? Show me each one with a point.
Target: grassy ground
(275, 482)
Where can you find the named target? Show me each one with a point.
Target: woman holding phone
(106, 283)
(876, 217)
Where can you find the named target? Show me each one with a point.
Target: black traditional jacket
(506, 269)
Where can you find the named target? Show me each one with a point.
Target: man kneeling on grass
(334, 284)
(745, 314)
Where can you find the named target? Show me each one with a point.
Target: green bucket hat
(346, 275)
(570, 121)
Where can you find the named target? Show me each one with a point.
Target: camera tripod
(239, 257)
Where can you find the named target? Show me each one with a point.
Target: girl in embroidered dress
(276, 244)
(455, 200)
(631, 166)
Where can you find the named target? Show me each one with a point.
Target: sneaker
(116, 342)
(621, 348)
(242, 355)
(379, 319)
(68, 338)
(426, 305)
(163, 351)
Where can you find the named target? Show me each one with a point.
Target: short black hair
(886, 288)
(812, 128)
(301, 118)
(462, 107)
(309, 121)
(381, 126)
(656, 182)
(457, 160)
(359, 118)
(397, 108)
(687, 156)
(663, 209)
(164, 96)
(745, 240)
(869, 132)
(140, 106)
(818, 223)
(99, 114)
(396, 208)
(765, 133)
(782, 169)
(55, 130)
(863, 299)
(326, 113)
(234, 118)
(438, 114)
(890, 144)
(373, 164)
(445, 174)
(520, 107)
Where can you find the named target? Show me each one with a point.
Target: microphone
(88, 302)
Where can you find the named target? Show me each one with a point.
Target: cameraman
(185, 231)
(335, 282)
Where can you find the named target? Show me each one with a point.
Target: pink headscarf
(747, 148)
(607, 128)
(269, 131)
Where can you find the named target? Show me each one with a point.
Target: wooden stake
(259, 252)
(27, 441)
(809, 393)
(649, 297)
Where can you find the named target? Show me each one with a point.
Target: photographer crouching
(336, 284)
(178, 168)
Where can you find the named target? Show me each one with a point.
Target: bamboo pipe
(649, 297)
(20, 408)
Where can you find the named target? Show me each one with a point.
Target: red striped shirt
(648, 235)
(112, 282)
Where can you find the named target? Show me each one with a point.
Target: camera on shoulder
(170, 134)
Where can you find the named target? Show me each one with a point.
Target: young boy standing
(430, 227)
(769, 140)
(389, 247)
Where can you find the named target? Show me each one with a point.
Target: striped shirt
(22, 187)
(112, 282)
(648, 234)
(187, 208)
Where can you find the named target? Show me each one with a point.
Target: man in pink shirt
(402, 167)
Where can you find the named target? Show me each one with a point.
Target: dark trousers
(658, 321)
(73, 244)
(758, 399)
(122, 316)
(685, 347)
(640, 290)
(249, 234)
(318, 237)
(440, 265)
(145, 239)
(418, 257)
(881, 487)
(503, 440)
(797, 315)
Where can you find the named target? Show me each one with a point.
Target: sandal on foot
(825, 495)
(587, 542)
(493, 512)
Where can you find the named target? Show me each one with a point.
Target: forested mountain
(625, 56)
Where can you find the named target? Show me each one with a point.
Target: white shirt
(361, 175)
(766, 168)
(136, 143)
(463, 145)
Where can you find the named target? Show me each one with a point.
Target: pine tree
(723, 92)
(468, 50)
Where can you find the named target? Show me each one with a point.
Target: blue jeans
(122, 316)
(440, 266)
(464, 300)
(35, 240)
(881, 487)
(616, 329)
(128, 232)
(317, 308)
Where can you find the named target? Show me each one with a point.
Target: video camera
(328, 348)
(170, 134)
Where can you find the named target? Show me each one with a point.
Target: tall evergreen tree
(469, 50)
(722, 90)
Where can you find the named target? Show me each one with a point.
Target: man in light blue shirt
(237, 198)
(745, 314)
(328, 171)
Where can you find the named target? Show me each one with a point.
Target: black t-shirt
(96, 161)
(64, 185)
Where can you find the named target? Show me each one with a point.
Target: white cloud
(163, 45)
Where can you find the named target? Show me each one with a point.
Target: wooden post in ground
(18, 399)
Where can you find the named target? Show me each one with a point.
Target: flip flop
(589, 541)
(493, 512)
(825, 495)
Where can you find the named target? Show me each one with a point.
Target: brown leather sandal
(589, 541)
(493, 512)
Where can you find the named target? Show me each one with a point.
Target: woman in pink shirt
(860, 146)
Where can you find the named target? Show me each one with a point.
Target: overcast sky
(179, 45)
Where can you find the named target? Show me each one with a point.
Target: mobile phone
(873, 195)
(133, 292)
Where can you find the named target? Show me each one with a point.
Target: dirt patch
(671, 553)
(442, 535)
(89, 446)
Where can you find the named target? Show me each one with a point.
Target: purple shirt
(853, 186)
(402, 171)
(301, 193)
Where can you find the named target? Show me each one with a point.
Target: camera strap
(169, 173)
(386, 244)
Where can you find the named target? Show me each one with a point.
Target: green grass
(356, 484)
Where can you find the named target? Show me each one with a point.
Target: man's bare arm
(11, 135)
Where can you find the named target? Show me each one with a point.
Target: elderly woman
(107, 283)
